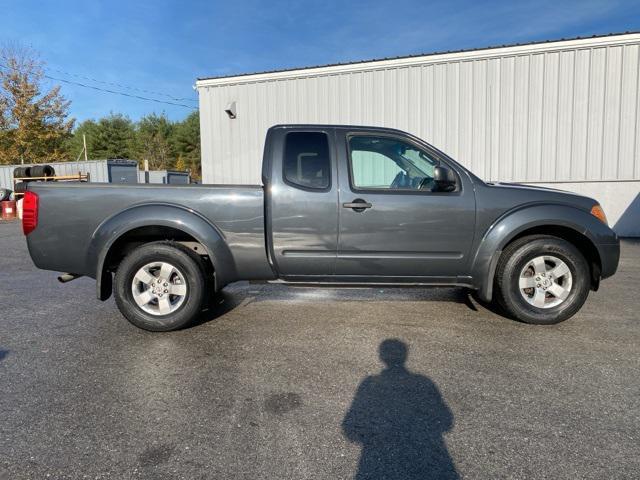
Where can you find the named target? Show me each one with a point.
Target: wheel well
(580, 241)
(139, 236)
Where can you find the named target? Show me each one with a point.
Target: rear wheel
(542, 280)
(161, 286)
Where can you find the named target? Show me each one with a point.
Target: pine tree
(112, 137)
(34, 122)
(153, 141)
(186, 141)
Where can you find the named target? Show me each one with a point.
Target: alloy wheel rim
(159, 288)
(545, 281)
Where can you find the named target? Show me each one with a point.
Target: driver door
(393, 221)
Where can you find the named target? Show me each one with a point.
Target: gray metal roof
(464, 50)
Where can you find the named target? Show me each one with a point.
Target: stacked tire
(30, 173)
(36, 171)
(42, 171)
(22, 172)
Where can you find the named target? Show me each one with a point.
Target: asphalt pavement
(280, 383)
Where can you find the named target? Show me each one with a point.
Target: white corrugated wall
(556, 112)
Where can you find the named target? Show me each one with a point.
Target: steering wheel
(427, 183)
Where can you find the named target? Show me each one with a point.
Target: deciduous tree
(34, 120)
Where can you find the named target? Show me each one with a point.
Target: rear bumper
(609, 257)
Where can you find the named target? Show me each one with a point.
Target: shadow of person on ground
(399, 418)
(3, 354)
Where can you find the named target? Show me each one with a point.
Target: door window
(306, 160)
(389, 163)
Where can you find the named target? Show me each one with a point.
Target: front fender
(517, 221)
(164, 215)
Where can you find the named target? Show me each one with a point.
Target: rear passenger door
(302, 215)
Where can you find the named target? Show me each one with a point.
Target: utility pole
(84, 141)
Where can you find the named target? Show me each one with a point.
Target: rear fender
(165, 215)
(525, 218)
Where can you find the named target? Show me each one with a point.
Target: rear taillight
(29, 212)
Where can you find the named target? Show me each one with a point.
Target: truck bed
(70, 214)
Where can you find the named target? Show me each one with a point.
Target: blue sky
(163, 46)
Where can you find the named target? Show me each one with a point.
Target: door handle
(358, 205)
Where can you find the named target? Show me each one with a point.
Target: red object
(8, 209)
(29, 212)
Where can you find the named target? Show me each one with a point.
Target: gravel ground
(315, 383)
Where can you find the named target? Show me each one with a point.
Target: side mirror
(444, 179)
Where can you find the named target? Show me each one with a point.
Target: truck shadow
(244, 293)
(399, 418)
(221, 304)
(274, 292)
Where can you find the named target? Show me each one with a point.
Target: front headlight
(597, 212)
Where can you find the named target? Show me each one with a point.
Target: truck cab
(365, 205)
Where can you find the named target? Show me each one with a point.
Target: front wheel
(160, 286)
(542, 280)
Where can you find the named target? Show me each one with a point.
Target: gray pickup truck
(338, 206)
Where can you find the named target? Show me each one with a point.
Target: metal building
(564, 114)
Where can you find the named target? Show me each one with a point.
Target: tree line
(163, 143)
(35, 126)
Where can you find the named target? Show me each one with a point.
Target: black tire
(516, 257)
(42, 171)
(21, 187)
(192, 269)
(22, 172)
(5, 194)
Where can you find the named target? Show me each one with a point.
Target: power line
(114, 92)
(70, 82)
(120, 85)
